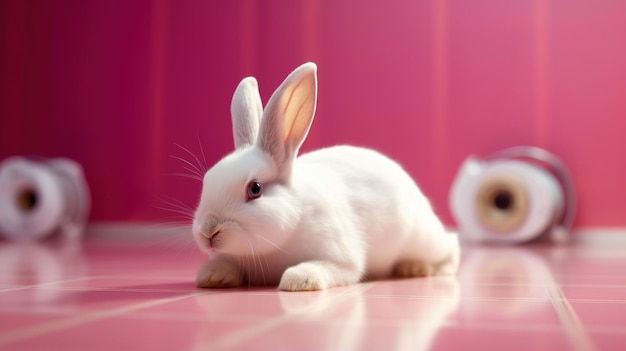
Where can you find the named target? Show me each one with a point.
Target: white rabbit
(331, 217)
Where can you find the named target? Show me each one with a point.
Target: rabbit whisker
(271, 243)
(254, 257)
(248, 270)
(173, 200)
(183, 213)
(185, 175)
(193, 171)
(175, 209)
(241, 272)
(254, 261)
(176, 206)
(179, 221)
(267, 264)
(192, 168)
(205, 164)
(175, 237)
(198, 163)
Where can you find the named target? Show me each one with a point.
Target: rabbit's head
(248, 206)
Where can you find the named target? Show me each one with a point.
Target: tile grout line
(58, 282)
(44, 285)
(13, 336)
(574, 330)
(232, 339)
(56, 285)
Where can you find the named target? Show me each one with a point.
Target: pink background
(115, 84)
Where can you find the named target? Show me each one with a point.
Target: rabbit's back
(374, 193)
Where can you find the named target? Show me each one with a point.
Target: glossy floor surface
(125, 291)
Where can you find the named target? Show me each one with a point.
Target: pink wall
(115, 84)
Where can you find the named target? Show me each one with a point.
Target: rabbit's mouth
(215, 239)
(210, 241)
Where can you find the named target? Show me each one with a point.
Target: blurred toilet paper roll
(514, 196)
(41, 197)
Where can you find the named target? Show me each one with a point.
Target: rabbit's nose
(211, 233)
(210, 227)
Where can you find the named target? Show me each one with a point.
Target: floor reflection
(516, 277)
(60, 296)
(25, 264)
(346, 318)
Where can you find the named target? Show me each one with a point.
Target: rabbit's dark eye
(254, 190)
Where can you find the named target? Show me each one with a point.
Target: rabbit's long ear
(246, 110)
(289, 114)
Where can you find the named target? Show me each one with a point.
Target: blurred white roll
(39, 198)
(508, 199)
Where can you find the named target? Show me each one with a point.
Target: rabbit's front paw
(218, 274)
(406, 269)
(303, 277)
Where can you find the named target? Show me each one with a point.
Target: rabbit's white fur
(331, 217)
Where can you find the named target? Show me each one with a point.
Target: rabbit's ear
(289, 114)
(246, 110)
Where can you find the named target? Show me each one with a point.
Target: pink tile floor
(125, 291)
